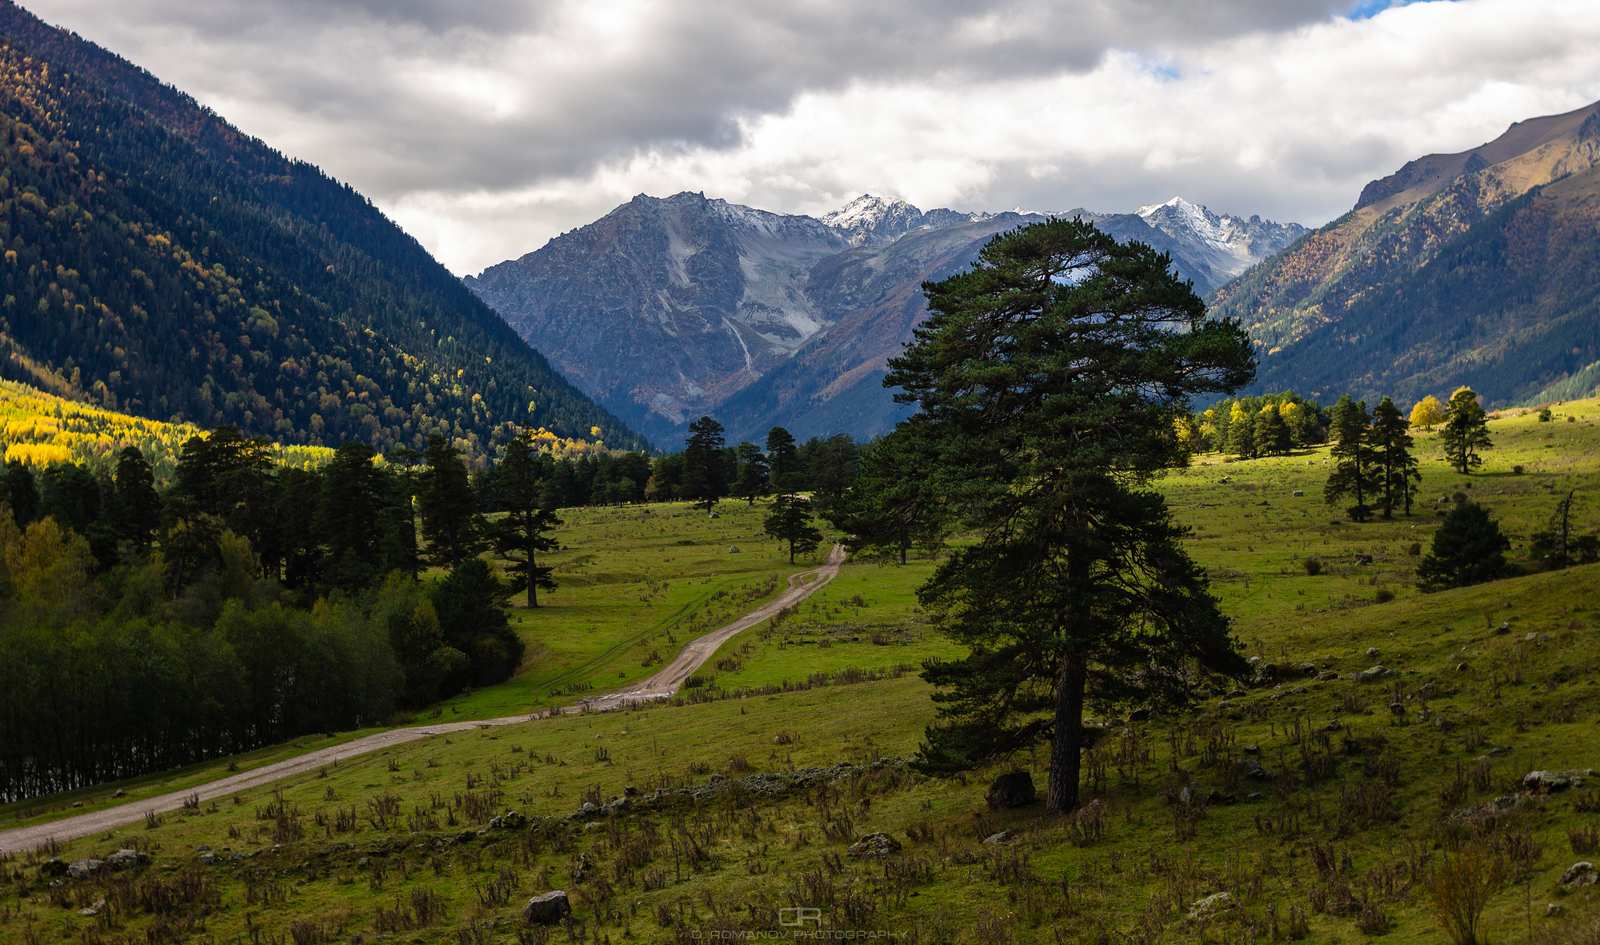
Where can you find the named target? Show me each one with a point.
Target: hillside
(1323, 814)
(1475, 268)
(162, 262)
(670, 308)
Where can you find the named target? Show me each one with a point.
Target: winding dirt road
(661, 685)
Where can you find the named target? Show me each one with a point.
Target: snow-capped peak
(866, 211)
(1196, 219)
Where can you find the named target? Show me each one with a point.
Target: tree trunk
(905, 544)
(1061, 794)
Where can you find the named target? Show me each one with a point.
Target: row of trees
(248, 603)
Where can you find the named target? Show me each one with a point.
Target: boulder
(997, 838)
(1579, 874)
(83, 869)
(126, 859)
(1548, 782)
(547, 907)
(733, 549)
(1377, 671)
(874, 845)
(1139, 715)
(1011, 790)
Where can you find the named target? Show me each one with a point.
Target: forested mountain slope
(159, 261)
(1479, 268)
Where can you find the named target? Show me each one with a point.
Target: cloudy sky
(485, 127)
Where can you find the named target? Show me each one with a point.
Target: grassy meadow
(1363, 791)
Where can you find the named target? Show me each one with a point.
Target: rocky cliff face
(1477, 268)
(670, 308)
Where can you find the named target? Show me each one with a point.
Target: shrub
(1415, 549)
(1384, 595)
(1461, 887)
(1313, 566)
(1516, 470)
(1545, 415)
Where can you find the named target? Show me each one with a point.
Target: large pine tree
(1050, 377)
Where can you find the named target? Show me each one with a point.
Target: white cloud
(487, 128)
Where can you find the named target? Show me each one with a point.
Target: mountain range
(670, 308)
(1480, 267)
(160, 261)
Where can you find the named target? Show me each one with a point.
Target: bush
(1460, 889)
(1544, 415)
(1467, 549)
(1384, 595)
(1415, 549)
(1313, 566)
(1516, 470)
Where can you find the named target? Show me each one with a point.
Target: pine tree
(1272, 436)
(22, 492)
(349, 517)
(1354, 475)
(1467, 549)
(791, 521)
(704, 477)
(522, 535)
(138, 506)
(784, 470)
(892, 505)
(1397, 466)
(1049, 378)
(753, 468)
(1465, 432)
(448, 506)
(1241, 432)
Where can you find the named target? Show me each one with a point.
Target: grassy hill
(1354, 810)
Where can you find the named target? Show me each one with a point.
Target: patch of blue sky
(1367, 9)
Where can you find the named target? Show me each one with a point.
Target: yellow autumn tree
(1428, 413)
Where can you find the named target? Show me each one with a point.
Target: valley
(752, 786)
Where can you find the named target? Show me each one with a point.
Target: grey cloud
(691, 69)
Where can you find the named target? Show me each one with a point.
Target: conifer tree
(783, 458)
(1049, 378)
(448, 505)
(753, 468)
(791, 521)
(1272, 437)
(1354, 475)
(22, 492)
(138, 506)
(523, 534)
(1397, 466)
(1465, 432)
(704, 476)
(1467, 549)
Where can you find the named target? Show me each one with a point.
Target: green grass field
(1356, 809)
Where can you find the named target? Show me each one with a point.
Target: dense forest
(159, 262)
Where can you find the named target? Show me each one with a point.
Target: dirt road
(662, 685)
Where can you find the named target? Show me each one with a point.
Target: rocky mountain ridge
(670, 308)
(1479, 267)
